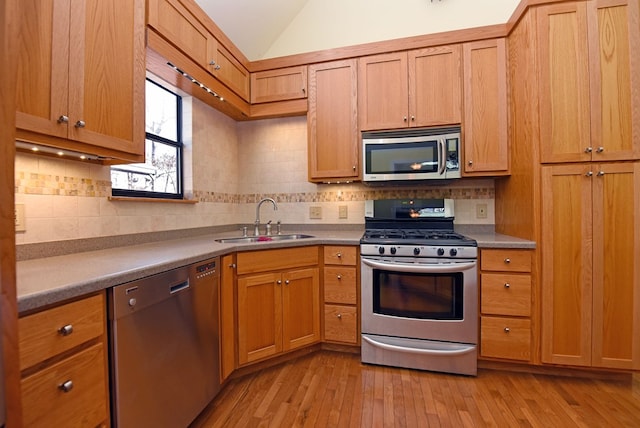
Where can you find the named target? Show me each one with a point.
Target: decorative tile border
(49, 184)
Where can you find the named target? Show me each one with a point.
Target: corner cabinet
(332, 121)
(589, 67)
(63, 360)
(590, 273)
(486, 144)
(406, 89)
(81, 76)
(278, 301)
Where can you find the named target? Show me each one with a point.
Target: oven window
(419, 296)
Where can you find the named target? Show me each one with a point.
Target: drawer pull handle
(507, 260)
(507, 329)
(507, 285)
(65, 330)
(339, 316)
(66, 386)
(339, 276)
(339, 255)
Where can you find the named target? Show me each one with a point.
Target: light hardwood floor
(332, 389)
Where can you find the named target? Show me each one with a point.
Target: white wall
(326, 24)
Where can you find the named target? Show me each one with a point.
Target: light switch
(315, 213)
(343, 211)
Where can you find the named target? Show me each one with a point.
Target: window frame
(178, 144)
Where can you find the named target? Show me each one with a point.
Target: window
(161, 174)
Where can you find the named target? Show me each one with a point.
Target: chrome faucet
(256, 228)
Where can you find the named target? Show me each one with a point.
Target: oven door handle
(463, 349)
(420, 268)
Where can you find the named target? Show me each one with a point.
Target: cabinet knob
(507, 260)
(339, 276)
(507, 285)
(354, 168)
(339, 316)
(413, 118)
(600, 173)
(63, 119)
(589, 174)
(232, 265)
(286, 282)
(588, 150)
(404, 118)
(80, 124)
(66, 386)
(212, 62)
(304, 91)
(339, 255)
(470, 163)
(217, 67)
(278, 282)
(65, 330)
(600, 149)
(507, 329)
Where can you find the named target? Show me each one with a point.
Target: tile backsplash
(232, 166)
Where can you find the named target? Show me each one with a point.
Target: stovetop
(435, 237)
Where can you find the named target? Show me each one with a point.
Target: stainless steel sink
(263, 238)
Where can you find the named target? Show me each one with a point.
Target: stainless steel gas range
(419, 288)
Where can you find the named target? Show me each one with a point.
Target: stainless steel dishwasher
(165, 347)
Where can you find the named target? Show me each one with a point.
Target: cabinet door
(107, 74)
(566, 264)
(383, 91)
(614, 58)
(301, 308)
(332, 120)
(486, 145)
(259, 316)
(564, 83)
(279, 85)
(43, 67)
(616, 275)
(435, 86)
(230, 72)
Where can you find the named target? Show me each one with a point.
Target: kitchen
(257, 146)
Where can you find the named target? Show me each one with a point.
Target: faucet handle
(244, 231)
(268, 227)
(279, 227)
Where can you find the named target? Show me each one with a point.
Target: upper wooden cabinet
(279, 85)
(81, 74)
(486, 144)
(588, 107)
(176, 23)
(415, 88)
(590, 275)
(332, 121)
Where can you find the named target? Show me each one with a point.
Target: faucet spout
(256, 230)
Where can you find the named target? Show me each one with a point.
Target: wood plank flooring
(333, 389)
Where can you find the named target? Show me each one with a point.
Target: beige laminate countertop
(45, 281)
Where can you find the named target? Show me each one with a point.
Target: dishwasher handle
(179, 287)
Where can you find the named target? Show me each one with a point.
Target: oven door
(428, 300)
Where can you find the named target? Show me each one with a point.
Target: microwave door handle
(442, 162)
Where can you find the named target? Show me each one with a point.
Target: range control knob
(453, 252)
(393, 250)
(416, 251)
(381, 250)
(441, 251)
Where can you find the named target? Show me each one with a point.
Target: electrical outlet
(315, 213)
(343, 211)
(19, 216)
(481, 211)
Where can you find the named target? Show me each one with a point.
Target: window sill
(134, 199)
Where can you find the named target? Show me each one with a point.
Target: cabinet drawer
(44, 403)
(42, 334)
(340, 323)
(340, 285)
(271, 260)
(508, 338)
(507, 260)
(340, 255)
(506, 294)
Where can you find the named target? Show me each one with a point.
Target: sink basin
(263, 238)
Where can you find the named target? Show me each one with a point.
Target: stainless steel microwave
(408, 155)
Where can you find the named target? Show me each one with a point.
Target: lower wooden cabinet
(340, 275)
(505, 304)
(278, 301)
(63, 360)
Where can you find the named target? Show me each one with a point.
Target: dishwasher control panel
(205, 269)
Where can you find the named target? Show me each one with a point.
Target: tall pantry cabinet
(589, 95)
